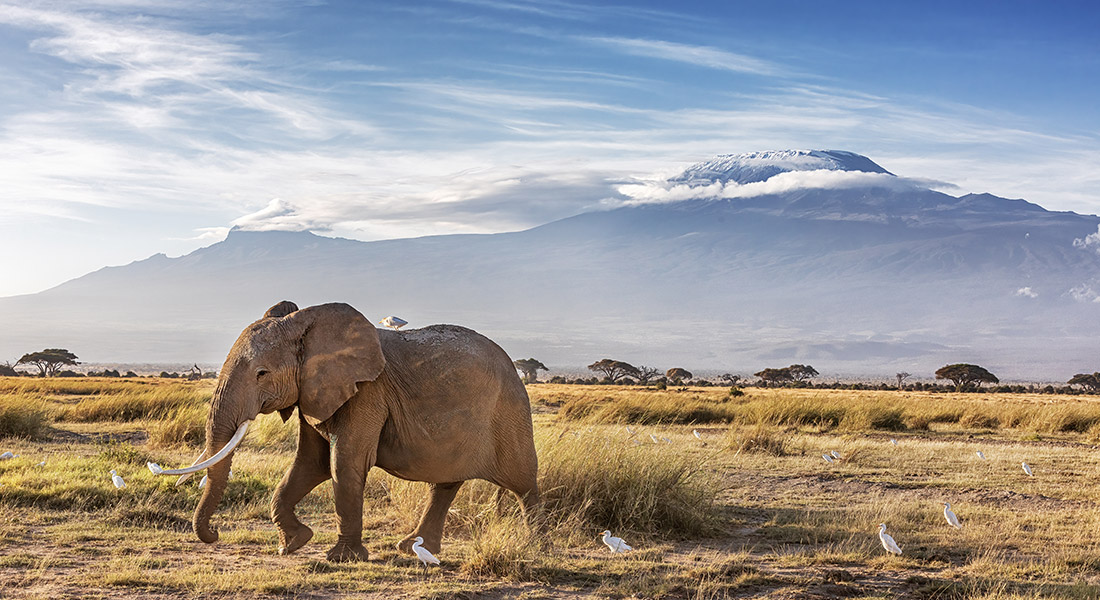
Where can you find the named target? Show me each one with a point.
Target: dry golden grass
(751, 510)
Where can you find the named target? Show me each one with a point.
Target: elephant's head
(311, 358)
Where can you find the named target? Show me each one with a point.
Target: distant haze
(737, 264)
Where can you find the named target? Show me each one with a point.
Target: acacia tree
(49, 360)
(902, 377)
(775, 376)
(646, 374)
(963, 374)
(802, 373)
(614, 370)
(677, 375)
(530, 368)
(730, 378)
(1089, 381)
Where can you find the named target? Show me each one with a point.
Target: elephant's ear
(281, 309)
(339, 348)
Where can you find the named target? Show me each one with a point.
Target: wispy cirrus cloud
(702, 56)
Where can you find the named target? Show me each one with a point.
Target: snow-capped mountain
(865, 278)
(760, 166)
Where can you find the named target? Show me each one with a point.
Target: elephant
(441, 404)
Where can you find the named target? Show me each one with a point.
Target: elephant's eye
(260, 373)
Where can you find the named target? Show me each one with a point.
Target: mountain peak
(761, 166)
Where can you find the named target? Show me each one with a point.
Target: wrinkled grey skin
(441, 404)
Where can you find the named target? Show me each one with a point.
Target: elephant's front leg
(353, 455)
(310, 468)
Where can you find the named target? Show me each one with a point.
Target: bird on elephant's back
(442, 404)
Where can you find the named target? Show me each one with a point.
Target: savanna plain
(749, 509)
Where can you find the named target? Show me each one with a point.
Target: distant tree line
(963, 377)
(49, 363)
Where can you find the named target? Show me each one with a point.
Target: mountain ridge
(857, 279)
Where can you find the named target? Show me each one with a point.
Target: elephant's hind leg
(310, 469)
(431, 522)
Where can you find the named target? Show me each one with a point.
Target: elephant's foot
(292, 539)
(405, 546)
(347, 552)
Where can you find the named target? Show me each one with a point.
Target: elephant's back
(448, 347)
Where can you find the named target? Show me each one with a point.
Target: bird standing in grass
(7, 455)
(117, 479)
(980, 454)
(616, 545)
(835, 454)
(828, 459)
(1027, 469)
(950, 516)
(423, 554)
(893, 441)
(887, 541)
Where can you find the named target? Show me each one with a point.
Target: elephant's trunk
(217, 478)
(225, 428)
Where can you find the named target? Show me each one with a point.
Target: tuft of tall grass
(269, 431)
(185, 426)
(613, 485)
(648, 407)
(505, 547)
(760, 438)
(22, 418)
(130, 405)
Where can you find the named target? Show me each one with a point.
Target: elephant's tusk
(236, 439)
(187, 476)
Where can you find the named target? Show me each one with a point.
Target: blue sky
(129, 128)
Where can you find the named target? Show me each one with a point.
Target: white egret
(980, 454)
(1027, 469)
(835, 454)
(893, 441)
(616, 545)
(395, 323)
(117, 479)
(654, 438)
(422, 553)
(948, 514)
(695, 432)
(666, 440)
(41, 464)
(202, 482)
(7, 455)
(887, 541)
(828, 458)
